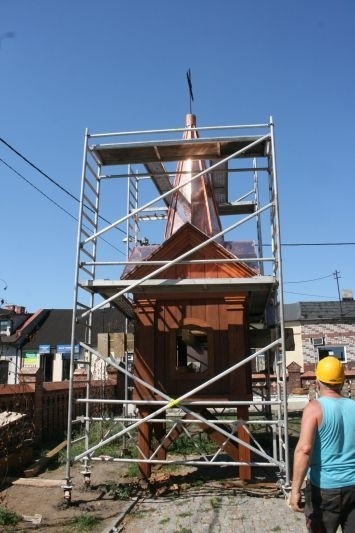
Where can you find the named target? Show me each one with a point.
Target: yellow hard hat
(330, 370)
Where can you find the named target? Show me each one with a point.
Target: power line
(37, 189)
(39, 170)
(313, 295)
(44, 174)
(53, 201)
(53, 181)
(308, 280)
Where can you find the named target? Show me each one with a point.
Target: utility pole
(336, 275)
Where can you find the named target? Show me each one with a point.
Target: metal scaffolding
(126, 187)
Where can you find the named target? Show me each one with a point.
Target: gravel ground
(212, 511)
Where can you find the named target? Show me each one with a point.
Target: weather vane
(188, 75)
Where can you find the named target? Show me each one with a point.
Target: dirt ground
(45, 508)
(110, 495)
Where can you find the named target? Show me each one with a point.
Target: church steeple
(193, 203)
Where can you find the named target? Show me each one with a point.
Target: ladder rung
(86, 233)
(92, 205)
(86, 252)
(87, 182)
(91, 170)
(92, 222)
(84, 269)
(82, 306)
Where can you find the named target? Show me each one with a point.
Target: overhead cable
(37, 189)
(313, 295)
(17, 152)
(51, 200)
(39, 170)
(308, 280)
(53, 181)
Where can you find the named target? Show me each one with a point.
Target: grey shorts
(326, 509)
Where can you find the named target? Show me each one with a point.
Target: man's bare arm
(310, 420)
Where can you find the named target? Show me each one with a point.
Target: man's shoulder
(313, 405)
(312, 409)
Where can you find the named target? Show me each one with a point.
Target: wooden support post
(159, 430)
(144, 444)
(244, 453)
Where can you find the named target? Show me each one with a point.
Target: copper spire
(193, 203)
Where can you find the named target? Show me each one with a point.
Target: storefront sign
(30, 358)
(44, 348)
(66, 348)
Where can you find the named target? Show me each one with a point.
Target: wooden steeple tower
(185, 337)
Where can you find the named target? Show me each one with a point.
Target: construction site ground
(177, 499)
(182, 500)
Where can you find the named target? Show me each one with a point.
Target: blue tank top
(332, 463)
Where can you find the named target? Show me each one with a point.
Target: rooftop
(333, 310)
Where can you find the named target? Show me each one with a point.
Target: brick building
(320, 329)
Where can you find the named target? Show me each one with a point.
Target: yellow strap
(173, 403)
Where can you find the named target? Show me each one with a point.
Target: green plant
(171, 467)
(198, 483)
(8, 518)
(99, 431)
(86, 522)
(139, 514)
(121, 491)
(215, 502)
(185, 445)
(164, 520)
(133, 470)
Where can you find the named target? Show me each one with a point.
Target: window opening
(336, 351)
(47, 366)
(192, 350)
(5, 327)
(4, 370)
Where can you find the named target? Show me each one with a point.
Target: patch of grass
(86, 522)
(8, 518)
(183, 530)
(184, 515)
(164, 520)
(138, 514)
(133, 469)
(170, 467)
(184, 445)
(276, 528)
(215, 502)
(198, 483)
(100, 430)
(121, 491)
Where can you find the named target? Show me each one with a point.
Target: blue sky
(120, 65)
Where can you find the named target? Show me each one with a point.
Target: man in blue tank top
(326, 448)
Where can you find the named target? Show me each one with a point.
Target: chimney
(347, 295)
(17, 309)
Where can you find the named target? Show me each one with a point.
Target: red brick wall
(46, 404)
